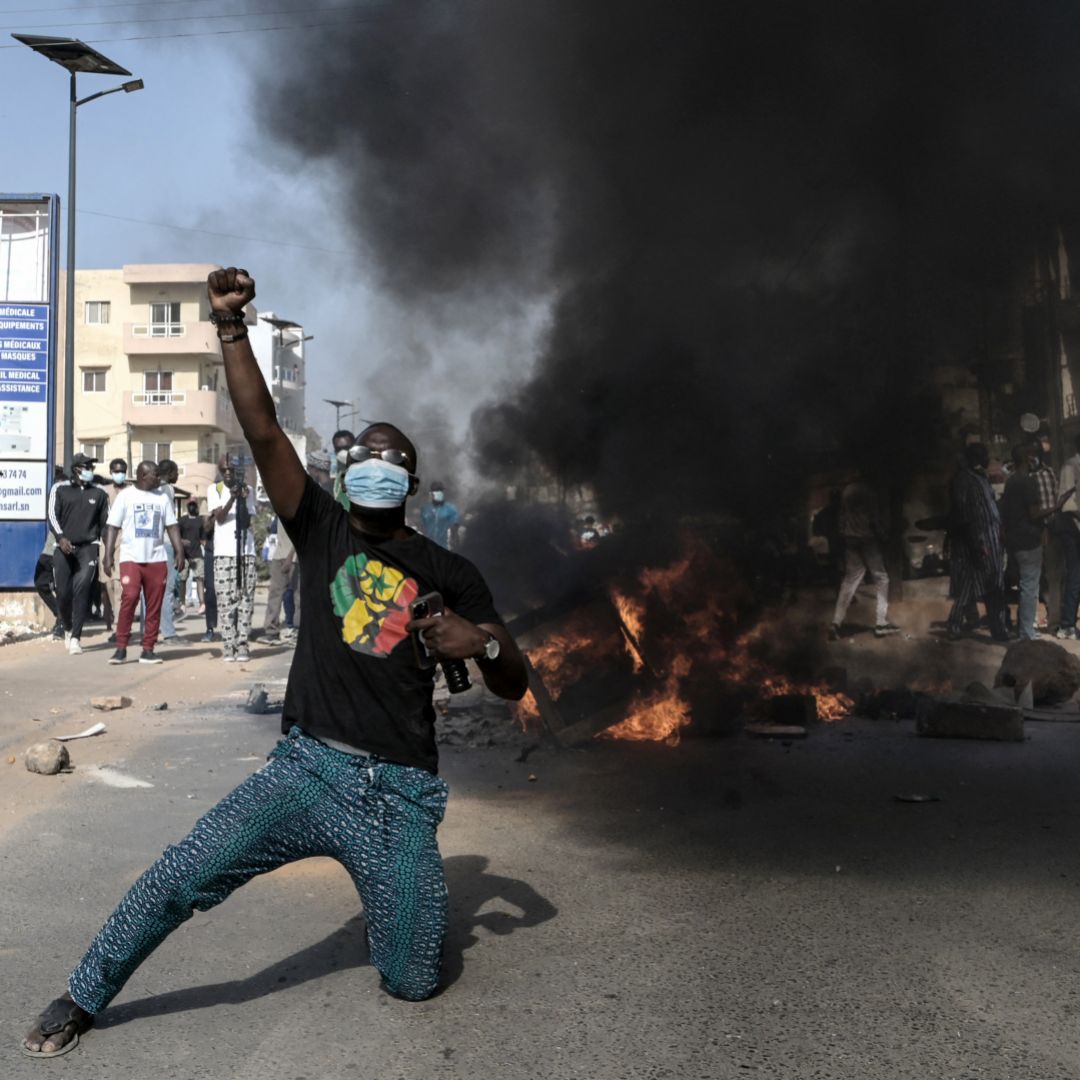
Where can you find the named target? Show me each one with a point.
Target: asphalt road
(719, 909)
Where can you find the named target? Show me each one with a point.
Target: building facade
(150, 383)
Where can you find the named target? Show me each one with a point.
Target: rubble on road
(12, 632)
(776, 731)
(1053, 671)
(954, 718)
(108, 704)
(47, 758)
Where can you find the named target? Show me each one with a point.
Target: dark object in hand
(456, 671)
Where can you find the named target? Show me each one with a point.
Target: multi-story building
(149, 377)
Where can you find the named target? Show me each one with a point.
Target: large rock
(1053, 671)
(47, 757)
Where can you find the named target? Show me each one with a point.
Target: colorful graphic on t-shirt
(372, 600)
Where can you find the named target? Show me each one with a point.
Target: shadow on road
(471, 889)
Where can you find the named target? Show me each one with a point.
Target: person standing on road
(143, 513)
(1069, 537)
(77, 512)
(234, 568)
(169, 473)
(1021, 520)
(209, 595)
(284, 574)
(863, 529)
(355, 778)
(110, 584)
(439, 518)
(1046, 481)
(191, 532)
(976, 547)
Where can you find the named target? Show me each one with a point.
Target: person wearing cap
(439, 518)
(77, 512)
(191, 532)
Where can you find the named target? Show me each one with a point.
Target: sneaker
(172, 639)
(74, 647)
(112, 638)
(58, 632)
(229, 657)
(885, 629)
(270, 639)
(208, 636)
(834, 632)
(147, 656)
(242, 655)
(118, 657)
(1066, 633)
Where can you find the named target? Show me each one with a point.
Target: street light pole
(69, 308)
(74, 56)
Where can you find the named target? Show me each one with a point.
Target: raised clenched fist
(230, 290)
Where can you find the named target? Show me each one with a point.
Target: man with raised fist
(355, 777)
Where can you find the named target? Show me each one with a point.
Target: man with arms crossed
(355, 777)
(144, 513)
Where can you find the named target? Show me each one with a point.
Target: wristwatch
(491, 649)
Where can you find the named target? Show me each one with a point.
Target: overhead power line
(82, 7)
(182, 18)
(241, 30)
(214, 232)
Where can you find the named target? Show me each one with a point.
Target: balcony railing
(158, 329)
(160, 397)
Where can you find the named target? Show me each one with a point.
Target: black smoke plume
(759, 224)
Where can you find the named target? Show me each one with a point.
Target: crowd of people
(1028, 539)
(123, 547)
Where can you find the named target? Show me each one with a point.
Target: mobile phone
(424, 607)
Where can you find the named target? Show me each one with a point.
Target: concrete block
(970, 720)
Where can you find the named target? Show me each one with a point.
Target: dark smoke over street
(759, 225)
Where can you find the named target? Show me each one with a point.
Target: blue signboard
(29, 250)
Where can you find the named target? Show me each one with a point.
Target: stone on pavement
(47, 758)
(1053, 671)
(107, 704)
(970, 720)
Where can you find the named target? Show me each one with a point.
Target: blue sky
(187, 151)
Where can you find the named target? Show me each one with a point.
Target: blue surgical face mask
(437, 497)
(119, 478)
(376, 484)
(86, 475)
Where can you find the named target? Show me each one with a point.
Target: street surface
(720, 909)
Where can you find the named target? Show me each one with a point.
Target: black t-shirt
(1021, 493)
(355, 676)
(191, 529)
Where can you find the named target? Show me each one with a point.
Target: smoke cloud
(757, 225)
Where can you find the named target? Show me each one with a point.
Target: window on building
(165, 319)
(96, 312)
(156, 451)
(157, 387)
(93, 380)
(96, 450)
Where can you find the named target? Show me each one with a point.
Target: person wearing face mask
(342, 443)
(439, 518)
(77, 512)
(110, 582)
(976, 547)
(355, 777)
(234, 559)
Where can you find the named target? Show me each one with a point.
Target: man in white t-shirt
(234, 567)
(144, 514)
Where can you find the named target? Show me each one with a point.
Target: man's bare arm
(283, 475)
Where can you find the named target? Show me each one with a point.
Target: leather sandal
(55, 1017)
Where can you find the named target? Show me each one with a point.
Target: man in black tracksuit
(78, 509)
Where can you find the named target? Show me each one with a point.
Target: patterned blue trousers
(376, 818)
